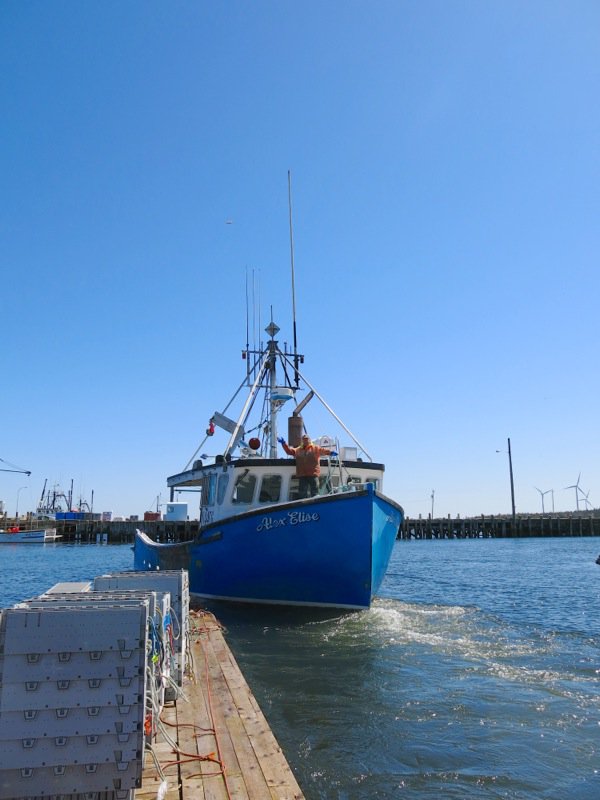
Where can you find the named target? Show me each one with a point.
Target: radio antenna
(297, 376)
(253, 308)
(247, 322)
(247, 354)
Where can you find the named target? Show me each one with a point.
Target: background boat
(35, 536)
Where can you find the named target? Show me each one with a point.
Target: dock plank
(225, 748)
(266, 749)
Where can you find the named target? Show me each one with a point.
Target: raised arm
(291, 451)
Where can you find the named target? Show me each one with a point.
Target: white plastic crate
(158, 652)
(176, 582)
(67, 779)
(72, 698)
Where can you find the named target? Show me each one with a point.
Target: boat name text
(292, 518)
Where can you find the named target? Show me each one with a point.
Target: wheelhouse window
(243, 491)
(222, 488)
(208, 487)
(270, 489)
(294, 489)
(326, 484)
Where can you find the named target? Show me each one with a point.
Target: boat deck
(216, 743)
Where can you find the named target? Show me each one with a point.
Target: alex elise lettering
(292, 518)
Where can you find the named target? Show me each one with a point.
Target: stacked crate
(176, 582)
(158, 654)
(73, 683)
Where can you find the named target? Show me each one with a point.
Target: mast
(272, 330)
(296, 375)
(41, 503)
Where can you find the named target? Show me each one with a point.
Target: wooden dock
(216, 743)
(585, 523)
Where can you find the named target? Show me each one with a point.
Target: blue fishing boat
(259, 541)
(267, 534)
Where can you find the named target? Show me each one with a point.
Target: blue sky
(445, 165)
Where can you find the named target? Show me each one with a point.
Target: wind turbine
(577, 490)
(585, 498)
(542, 496)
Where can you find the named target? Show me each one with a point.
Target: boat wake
(481, 645)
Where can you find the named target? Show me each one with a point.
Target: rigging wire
(203, 442)
(14, 468)
(328, 407)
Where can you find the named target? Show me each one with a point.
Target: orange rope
(205, 731)
(201, 617)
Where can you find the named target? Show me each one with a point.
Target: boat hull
(40, 536)
(325, 551)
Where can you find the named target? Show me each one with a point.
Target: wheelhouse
(232, 487)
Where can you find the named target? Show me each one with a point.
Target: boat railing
(344, 488)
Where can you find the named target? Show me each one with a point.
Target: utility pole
(512, 485)
(19, 490)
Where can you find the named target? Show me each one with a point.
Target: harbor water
(475, 674)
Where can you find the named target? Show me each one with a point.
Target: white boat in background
(36, 536)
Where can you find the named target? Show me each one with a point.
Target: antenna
(247, 315)
(297, 377)
(253, 310)
(259, 328)
(246, 354)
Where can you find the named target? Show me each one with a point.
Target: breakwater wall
(502, 527)
(482, 527)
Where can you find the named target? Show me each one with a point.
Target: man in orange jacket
(308, 467)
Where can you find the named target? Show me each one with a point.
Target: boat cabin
(230, 487)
